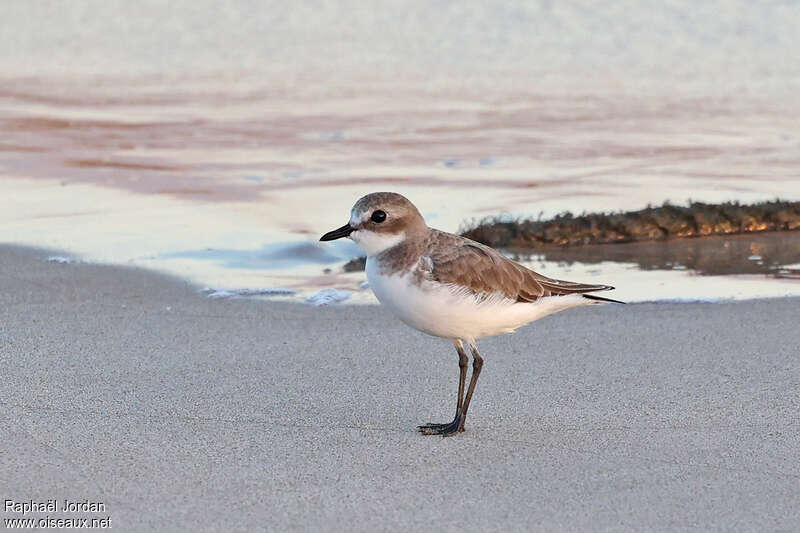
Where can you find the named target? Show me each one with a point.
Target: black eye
(378, 216)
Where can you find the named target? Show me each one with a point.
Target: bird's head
(379, 221)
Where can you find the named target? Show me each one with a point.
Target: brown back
(486, 272)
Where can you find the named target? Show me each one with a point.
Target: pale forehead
(356, 218)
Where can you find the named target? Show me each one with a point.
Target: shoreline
(336, 294)
(131, 389)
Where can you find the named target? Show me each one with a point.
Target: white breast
(445, 311)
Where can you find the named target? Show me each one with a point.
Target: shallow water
(232, 188)
(220, 151)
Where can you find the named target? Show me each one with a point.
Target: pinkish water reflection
(159, 168)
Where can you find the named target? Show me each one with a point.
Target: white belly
(442, 311)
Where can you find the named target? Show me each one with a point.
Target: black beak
(338, 233)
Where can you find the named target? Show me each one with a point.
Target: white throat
(374, 243)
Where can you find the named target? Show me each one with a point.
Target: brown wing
(486, 272)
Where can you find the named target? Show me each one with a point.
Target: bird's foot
(445, 430)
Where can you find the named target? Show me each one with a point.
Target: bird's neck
(402, 256)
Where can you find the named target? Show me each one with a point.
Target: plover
(450, 286)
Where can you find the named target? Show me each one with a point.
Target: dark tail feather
(601, 299)
(561, 288)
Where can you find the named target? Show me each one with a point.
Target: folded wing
(485, 272)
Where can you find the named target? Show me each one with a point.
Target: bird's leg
(452, 427)
(477, 364)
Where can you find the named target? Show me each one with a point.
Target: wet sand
(180, 412)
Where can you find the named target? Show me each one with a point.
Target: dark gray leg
(477, 364)
(452, 427)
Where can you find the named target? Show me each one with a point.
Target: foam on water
(60, 259)
(230, 293)
(328, 296)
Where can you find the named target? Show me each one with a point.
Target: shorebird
(450, 286)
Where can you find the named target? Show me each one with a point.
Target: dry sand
(183, 413)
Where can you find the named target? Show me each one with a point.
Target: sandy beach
(178, 413)
(173, 155)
